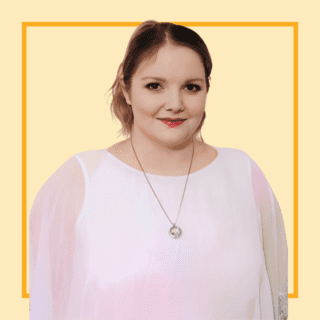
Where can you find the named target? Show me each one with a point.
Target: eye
(155, 84)
(152, 84)
(195, 86)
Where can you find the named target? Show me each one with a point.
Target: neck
(156, 156)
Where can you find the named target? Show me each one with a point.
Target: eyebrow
(163, 80)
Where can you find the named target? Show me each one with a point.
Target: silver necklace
(174, 232)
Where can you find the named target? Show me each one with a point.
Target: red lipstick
(172, 124)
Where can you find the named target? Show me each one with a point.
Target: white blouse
(100, 246)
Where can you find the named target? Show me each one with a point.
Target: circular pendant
(175, 232)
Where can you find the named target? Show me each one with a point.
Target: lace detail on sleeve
(283, 303)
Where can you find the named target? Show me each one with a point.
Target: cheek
(146, 104)
(196, 106)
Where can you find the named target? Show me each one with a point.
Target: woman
(160, 225)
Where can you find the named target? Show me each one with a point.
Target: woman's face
(172, 86)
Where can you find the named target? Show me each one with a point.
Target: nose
(174, 101)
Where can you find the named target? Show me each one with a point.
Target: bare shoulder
(119, 149)
(207, 154)
(211, 151)
(115, 148)
(122, 151)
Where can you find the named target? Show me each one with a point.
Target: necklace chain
(174, 224)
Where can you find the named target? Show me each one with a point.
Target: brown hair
(144, 44)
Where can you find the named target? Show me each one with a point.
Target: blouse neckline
(211, 164)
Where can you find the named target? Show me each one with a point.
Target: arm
(274, 240)
(51, 240)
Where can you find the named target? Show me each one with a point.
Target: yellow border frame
(135, 24)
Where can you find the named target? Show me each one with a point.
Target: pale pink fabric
(100, 248)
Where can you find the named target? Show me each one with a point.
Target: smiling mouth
(172, 123)
(172, 120)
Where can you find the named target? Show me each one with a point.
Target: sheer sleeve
(274, 241)
(51, 240)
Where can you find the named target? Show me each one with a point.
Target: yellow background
(249, 107)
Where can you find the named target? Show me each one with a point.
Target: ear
(125, 93)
